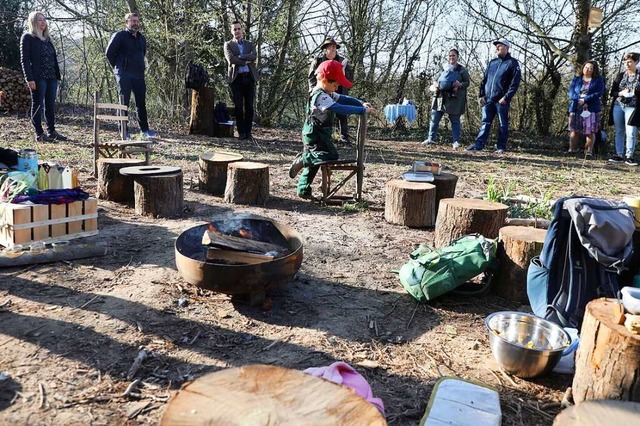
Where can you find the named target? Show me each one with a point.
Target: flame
(212, 228)
(246, 234)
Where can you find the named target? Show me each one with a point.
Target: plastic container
(631, 299)
(28, 161)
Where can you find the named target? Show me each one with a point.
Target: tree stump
(159, 195)
(202, 112)
(213, 171)
(247, 183)
(598, 413)
(112, 185)
(264, 395)
(445, 188)
(608, 358)
(518, 244)
(458, 217)
(410, 204)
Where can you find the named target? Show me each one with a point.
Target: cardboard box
(26, 223)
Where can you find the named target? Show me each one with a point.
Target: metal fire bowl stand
(248, 282)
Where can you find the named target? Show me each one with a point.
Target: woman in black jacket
(41, 71)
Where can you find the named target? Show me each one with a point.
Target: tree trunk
(160, 195)
(247, 183)
(410, 204)
(608, 358)
(581, 38)
(112, 185)
(202, 112)
(213, 171)
(597, 413)
(458, 217)
(445, 187)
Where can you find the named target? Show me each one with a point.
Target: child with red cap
(323, 104)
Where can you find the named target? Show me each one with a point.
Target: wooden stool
(445, 188)
(202, 111)
(247, 183)
(608, 358)
(410, 204)
(213, 171)
(266, 394)
(157, 190)
(518, 244)
(458, 217)
(600, 412)
(112, 185)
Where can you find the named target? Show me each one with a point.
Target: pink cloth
(345, 375)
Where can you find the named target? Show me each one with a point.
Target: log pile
(14, 93)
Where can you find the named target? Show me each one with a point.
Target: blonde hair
(34, 29)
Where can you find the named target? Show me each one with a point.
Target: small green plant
(355, 207)
(537, 208)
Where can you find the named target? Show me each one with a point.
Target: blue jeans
(620, 119)
(45, 93)
(436, 116)
(127, 84)
(489, 111)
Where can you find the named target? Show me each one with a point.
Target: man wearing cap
(498, 87)
(242, 77)
(324, 103)
(329, 49)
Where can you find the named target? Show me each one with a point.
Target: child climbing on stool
(323, 104)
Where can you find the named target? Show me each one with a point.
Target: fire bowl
(248, 280)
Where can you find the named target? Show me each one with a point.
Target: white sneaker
(428, 142)
(456, 145)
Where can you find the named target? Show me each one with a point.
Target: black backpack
(197, 76)
(587, 245)
(221, 113)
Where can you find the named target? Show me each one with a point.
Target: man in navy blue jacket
(125, 53)
(498, 87)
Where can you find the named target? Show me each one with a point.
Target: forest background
(396, 48)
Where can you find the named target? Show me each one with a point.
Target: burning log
(234, 256)
(217, 239)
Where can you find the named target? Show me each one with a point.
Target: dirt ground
(70, 331)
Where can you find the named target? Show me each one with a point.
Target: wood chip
(368, 363)
(135, 408)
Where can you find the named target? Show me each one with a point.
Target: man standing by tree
(498, 87)
(242, 77)
(329, 49)
(125, 53)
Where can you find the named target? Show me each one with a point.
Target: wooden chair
(115, 148)
(354, 167)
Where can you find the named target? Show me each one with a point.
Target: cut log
(410, 204)
(236, 257)
(445, 188)
(72, 251)
(213, 171)
(608, 358)
(112, 185)
(598, 413)
(159, 196)
(518, 244)
(458, 217)
(265, 395)
(535, 223)
(202, 112)
(217, 239)
(247, 183)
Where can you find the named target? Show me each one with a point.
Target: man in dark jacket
(498, 87)
(125, 53)
(329, 49)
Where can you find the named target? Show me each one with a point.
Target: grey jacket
(236, 60)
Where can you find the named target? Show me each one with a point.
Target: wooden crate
(25, 223)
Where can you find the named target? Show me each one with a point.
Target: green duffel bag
(432, 273)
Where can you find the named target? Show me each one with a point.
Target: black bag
(221, 113)
(197, 76)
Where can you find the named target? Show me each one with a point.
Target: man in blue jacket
(498, 87)
(125, 53)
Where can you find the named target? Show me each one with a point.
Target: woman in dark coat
(585, 107)
(624, 98)
(41, 71)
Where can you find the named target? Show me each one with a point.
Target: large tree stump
(462, 216)
(213, 171)
(112, 185)
(445, 188)
(518, 244)
(598, 413)
(266, 395)
(159, 195)
(247, 183)
(608, 358)
(410, 204)
(202, 112)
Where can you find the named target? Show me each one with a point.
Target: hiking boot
(57, 136)
(295, 167)
(41, 137)
(148, 134)
(308, 196)
(630, 161)
(428, 142)
(616, 159)
(588, 155)
(473, 148)
(346, 139)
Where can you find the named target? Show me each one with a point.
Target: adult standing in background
(329, 48)
(450, 96)
(498, 87)
(585, 107)
(242, 76)
(625, 92)
(42, 73)
(125, 53)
